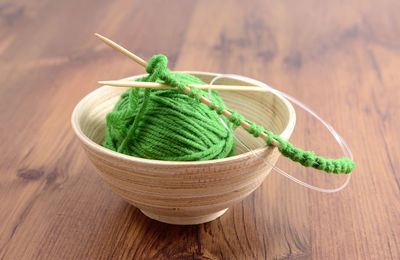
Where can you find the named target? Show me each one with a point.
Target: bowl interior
(271, 111)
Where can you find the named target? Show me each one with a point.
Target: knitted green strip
(158, 65)
(157, 69)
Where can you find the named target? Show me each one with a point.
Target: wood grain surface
(342, 58)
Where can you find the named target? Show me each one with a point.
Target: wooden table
(342, 58)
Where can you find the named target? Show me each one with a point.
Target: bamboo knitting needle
(121, 49)
(204, 100)
(139, 60)
(136, 84)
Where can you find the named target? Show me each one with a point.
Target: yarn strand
(133, 127)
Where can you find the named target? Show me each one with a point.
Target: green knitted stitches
(130, 118)
(305, 158)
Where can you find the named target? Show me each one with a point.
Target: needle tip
(98, 35)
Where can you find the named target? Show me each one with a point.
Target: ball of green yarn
(167, 124)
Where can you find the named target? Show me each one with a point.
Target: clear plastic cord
(343, 145)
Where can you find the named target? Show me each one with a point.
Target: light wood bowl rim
(88, 142)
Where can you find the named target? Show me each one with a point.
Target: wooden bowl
(185, 192)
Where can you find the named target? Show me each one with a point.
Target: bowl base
(184, 220)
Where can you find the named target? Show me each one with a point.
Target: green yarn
(169, 124)
(305, 158)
